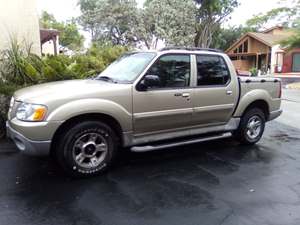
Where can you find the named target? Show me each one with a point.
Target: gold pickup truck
(143, 101)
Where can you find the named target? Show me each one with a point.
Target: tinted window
(212, 70)
(173, 71)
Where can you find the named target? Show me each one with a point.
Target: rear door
(167, 106)
(216, 92)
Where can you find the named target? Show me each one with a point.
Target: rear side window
(212, 70)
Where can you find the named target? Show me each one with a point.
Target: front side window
(172, 70)
(212, 70)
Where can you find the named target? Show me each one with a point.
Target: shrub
(19, 66)
(254, 72)
(57, 68)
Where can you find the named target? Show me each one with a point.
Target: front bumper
(273, 115)
(27, 146)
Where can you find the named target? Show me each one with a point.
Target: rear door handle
(229, 92)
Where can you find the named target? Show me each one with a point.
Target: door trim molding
(132, 140)
(213, 108)
(171, 112)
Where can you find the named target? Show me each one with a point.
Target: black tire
(243, 134)
(70, 156)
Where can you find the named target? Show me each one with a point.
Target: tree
(171, 20)
(87, 19)
(292, 42)
(116, 21)
(176, 22)
(287, 15)
(69, 32)
(225, 37)
(210, 15)
(279, 15)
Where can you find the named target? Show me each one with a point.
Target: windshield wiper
(106, 78)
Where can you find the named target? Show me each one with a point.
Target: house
(19, 20)
(49, 41)
(262, 50)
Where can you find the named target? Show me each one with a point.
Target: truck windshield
(127, 68)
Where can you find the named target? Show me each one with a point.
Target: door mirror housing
(149, 81)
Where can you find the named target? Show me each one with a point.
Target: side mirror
(149, 81)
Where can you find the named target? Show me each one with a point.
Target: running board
(179, 143)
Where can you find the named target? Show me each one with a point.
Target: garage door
(296, 62)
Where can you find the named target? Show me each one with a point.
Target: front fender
(250, 97)
(86, 106)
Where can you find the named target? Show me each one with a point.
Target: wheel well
(261, 104)
(109, 120)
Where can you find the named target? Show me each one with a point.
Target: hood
(73, 89)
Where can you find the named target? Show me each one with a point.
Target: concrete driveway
(213, 183)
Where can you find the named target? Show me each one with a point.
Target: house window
(246, 46)
(241, 49)
(235, 51)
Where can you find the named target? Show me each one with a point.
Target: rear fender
(250, 97)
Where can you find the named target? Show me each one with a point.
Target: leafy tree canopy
(210, 15)
(177, 22)
(171, 20)
(113, 20)
(286, 14)
(225, 37)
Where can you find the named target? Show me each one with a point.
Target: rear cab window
(212, 70)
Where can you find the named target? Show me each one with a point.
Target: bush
(8, 89)
(20, 67)
(57, 68)
(254, 72)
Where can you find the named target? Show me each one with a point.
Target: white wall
(19, 19)
(48, 47)
(274, 58)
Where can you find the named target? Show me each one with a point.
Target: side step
(179, 143)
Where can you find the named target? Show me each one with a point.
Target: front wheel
(87, 149)
(251, 127)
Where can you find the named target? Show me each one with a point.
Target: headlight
(31, 112)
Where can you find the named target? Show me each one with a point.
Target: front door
(216, 93)
(296, 62)
(168, 105)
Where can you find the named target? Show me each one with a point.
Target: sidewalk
(286, 75)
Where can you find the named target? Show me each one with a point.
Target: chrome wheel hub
(254, 127)
(90, 150)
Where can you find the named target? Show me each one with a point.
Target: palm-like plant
(19, 66)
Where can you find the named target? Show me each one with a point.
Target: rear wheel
(251, 127)
(87, 149)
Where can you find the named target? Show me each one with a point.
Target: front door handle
(186, 95)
